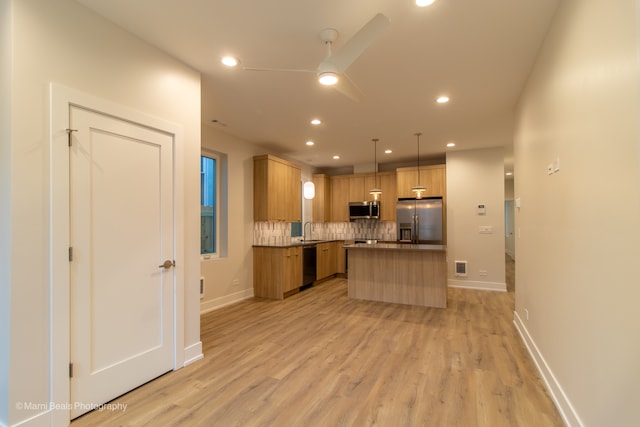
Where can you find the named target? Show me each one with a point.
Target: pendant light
(418, 189)
(375, 192)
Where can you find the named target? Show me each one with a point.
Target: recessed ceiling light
(442, 100)
(451, 144)
(336, 157)
(388, 151)
(509, 173)
(316, 122)
(310, 143)
(229, 61)
(423, 3)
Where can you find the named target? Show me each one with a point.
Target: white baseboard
(193, 353)
(43, 419)
(567, 412)
(482, 286)
(207, 306)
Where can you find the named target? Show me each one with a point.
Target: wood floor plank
(319, 359)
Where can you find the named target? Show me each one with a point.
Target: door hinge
(70, 370)
(69, 132)
(70, 253)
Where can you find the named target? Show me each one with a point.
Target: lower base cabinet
(277, 272)
(325, 260)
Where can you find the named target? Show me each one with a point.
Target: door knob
(168, 264)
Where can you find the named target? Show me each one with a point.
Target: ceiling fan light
(423, 3)
(328, 78)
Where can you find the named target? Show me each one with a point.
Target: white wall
(6, 62)
(61, 41)
(578, 250)
(220, 273)
(476, 177)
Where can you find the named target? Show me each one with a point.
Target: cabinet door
(433, 177)
(292, 274)
(321, 203)
(293, 201)
(277, 191)
(340, 198)
(359, 186)
(325, 260)
(405, 179)
(387, 182)
(356, 188)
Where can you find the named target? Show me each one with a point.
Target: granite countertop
(397, 246)
(294, 244)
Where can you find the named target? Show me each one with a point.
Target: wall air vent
(461, 268)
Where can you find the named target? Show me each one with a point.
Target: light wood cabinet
(321, 203)
(433, 177)
(277, 272)
(388, 199)
(359, 186)
(340, 198)
(326, 259)
(276, 189)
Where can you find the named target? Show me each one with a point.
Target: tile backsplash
(278, 233)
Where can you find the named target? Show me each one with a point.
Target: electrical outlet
(483, 272)
(235, 282)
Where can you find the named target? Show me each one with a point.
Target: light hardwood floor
(321, 359)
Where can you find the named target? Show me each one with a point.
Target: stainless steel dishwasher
(308, 264)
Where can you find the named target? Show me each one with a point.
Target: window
(208, 204)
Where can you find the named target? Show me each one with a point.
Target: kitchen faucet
(304, 228)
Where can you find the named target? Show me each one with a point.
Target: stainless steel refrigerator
(420, 220)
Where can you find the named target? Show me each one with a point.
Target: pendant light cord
(375, 161)
(417, 134)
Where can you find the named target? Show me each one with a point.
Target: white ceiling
(479, 53)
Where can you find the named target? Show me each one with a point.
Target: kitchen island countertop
(397, 246)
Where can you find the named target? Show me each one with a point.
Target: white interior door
(121, 231)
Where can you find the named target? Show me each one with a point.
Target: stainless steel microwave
(364, 210)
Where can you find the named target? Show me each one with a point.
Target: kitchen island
(398, 273)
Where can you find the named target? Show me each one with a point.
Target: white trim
(42, 419)
(224, 301)
(193, 353)
(482, 286)
(60, 99)
(567, 412)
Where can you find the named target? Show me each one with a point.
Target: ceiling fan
(331, 71)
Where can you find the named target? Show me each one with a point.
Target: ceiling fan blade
(288, 70)
(359, 42)
(347, 87)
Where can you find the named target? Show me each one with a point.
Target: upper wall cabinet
(321, 203)
(340, 198)
(276, 189)
(433, 177)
